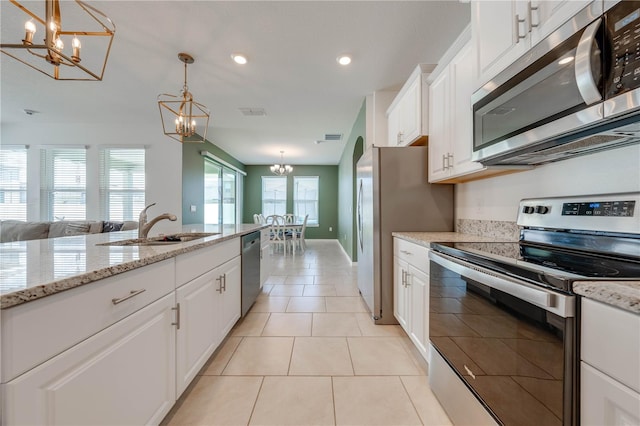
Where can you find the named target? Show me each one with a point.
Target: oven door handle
(559, 304)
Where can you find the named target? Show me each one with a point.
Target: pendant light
(87, 34)
(281, 169)
(183, 119)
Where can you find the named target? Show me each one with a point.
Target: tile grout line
(410, 399)
(253, 409)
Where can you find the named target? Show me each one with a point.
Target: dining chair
(256, 218)
(288, 218)
(298, 235)
(278, 235)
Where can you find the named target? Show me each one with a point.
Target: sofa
(17, 230)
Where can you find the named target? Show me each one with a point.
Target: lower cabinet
(123, 375)
(208, 307)
(609, 367)
(411, 292)
(265, 256)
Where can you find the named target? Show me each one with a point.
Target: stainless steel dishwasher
(250, 270)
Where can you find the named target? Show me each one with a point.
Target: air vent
(333, 137)
(253, 112)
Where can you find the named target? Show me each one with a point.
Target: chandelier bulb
(59, 44)
(29, 30)
(52, 26)
(75, 43)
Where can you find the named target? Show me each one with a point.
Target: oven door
(510, 342)
(557, 89)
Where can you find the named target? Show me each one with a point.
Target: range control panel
(602, 213)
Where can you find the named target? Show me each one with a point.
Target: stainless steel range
(504, 323)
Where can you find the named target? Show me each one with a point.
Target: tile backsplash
(505, 230)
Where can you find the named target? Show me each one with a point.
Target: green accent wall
(346, 192)
(193, 178)
(328, 202)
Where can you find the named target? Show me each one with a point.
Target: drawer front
(611, 341)
(45, 327)
(193, 264)
(415, 254)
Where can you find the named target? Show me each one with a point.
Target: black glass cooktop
(543, 265)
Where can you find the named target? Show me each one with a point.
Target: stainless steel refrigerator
(393, 194)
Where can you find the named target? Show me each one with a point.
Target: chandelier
(179, 113)
(87, 30)
(281, 169)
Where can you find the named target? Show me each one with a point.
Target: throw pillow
(111, 226)
(77, 228)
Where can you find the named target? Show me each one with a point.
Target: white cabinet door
(462, 71)
(605, 401)
(197, 334)
(124, 375)
(393, 127)
(548, 15)
(439, 104)
(400, 294)
(411, 113)
(500, 29)
(419, 293)
(229, 305)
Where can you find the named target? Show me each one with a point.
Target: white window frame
(49, 186)
(132, 192)
(274, 200)
(314, 210)
(13, 182)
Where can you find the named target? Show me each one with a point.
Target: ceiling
(292, 71)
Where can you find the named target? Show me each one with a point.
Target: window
(64, 184)
(13, 183)
(274, 195)
(305, 198)
(122, 183)
(219, 194)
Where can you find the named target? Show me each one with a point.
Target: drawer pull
(406, 252)
(129, 296)
(177, 323)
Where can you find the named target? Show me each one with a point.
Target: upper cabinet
(504, 30)
(408, 114)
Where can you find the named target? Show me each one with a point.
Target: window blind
(122, 183)
(63, 186)
(306, 198)
(13, 183)
(274, 195)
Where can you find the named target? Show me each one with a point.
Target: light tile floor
(309, 354)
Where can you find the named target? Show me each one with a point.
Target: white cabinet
(265, 256)
(609, 367)
(411, 291)
(208, 307)
(124, 375)
(504, 30)
(408, 113)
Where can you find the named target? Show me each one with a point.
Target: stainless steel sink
(161, 241)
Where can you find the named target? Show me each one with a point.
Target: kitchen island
(112, 333)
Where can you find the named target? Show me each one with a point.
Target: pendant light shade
(71, 41)
(183, 119)
(281, 169)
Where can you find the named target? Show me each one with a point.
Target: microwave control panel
(623, 28)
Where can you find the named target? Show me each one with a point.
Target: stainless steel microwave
(574, 93)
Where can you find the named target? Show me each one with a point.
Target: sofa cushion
(111, 226)
(17, 230)
(74, 227)
(129, 225)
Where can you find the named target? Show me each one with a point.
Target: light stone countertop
(426, 238)
(30, 270)
(622, 294)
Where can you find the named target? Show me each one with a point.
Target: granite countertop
(426, 238)
(622, 294)
(30, 270)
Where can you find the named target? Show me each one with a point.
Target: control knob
(527, 209)
(542, 209)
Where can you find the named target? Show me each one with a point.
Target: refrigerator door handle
(359, 216)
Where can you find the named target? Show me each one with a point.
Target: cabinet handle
(518, 22)
(530, 10)
(399, 138)
(444, 162)
(406, 252)
(404, 278)
(450, 161)
(224, 280)
(177, 323)
(219, 279)
(133, 293)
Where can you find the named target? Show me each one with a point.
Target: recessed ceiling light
(344, 59)
(239, 58)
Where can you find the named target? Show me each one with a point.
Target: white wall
(163, 161)
(602, 173)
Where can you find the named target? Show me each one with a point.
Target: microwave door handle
(587, 87)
